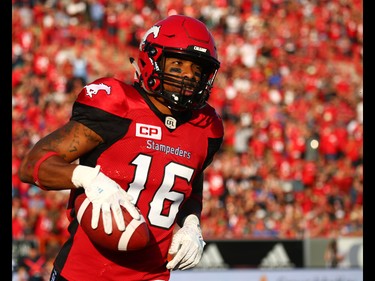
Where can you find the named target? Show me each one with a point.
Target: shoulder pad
(108, 94)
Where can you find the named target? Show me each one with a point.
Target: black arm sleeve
(214, 145)
(193, 205)
(109, 126)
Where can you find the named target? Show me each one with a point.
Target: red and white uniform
(155, 158)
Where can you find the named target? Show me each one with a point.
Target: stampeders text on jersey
(168, 149)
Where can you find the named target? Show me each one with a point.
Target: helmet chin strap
(166, 103)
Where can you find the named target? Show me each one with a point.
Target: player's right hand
(105, 195)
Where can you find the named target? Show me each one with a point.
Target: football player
(142, 146)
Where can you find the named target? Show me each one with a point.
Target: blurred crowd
(289, 91)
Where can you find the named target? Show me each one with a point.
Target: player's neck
(159, 105)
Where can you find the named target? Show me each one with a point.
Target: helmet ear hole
(151, 82)
(143, 64)
(152, 51)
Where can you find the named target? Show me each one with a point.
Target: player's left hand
(187, 245)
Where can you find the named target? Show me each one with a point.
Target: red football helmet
(182, 37)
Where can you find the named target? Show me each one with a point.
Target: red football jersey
(155, 158)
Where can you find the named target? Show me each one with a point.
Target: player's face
(182, 69)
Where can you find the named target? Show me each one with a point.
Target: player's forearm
(52, 173)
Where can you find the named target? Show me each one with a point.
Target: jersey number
(164, 192)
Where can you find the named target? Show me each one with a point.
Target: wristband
(192, 219)
(83, 175)
(37, 165)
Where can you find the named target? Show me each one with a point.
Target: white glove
(187, 245)
(106, 195)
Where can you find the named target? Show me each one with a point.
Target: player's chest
(186, 144)
(149, 142)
